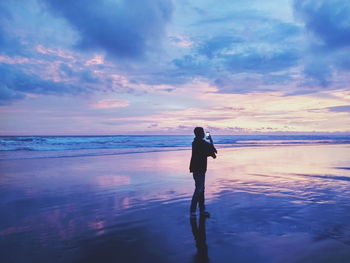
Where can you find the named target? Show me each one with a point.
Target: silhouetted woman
(201, 149)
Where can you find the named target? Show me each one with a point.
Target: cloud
(244, 71)
(123, 29)
(319, 71)
(343, 108)
(245, 61)
(328, 20)
(262, 62)
(66, 70)
(9, 42)
(8, 95)
(217, 44)
(15, 84)
(110, 103)
(328, 25)
(84, 76)
(253, 44)
(192, 64)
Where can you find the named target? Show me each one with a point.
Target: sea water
(24, 147)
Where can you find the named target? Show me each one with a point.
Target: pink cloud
(96, 60)
(113, 180)
(13, 60)
(55, 51)
(110, 103)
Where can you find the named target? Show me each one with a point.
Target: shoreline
(157, 150)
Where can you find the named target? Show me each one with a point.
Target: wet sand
(269, 204)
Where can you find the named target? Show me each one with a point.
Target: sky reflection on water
(276, 204)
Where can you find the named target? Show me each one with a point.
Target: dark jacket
(200, 151)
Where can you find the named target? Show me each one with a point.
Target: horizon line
(345, 133)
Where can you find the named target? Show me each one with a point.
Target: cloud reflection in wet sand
(112, 180)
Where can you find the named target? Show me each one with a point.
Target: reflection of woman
(199, 235)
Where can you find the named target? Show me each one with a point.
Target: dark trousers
(198, 195)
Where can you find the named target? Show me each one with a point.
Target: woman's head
(199, 132)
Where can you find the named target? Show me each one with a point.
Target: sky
(167, 66)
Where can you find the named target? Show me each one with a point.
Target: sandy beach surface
(268, 204)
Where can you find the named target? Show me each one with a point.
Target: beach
(268, 204)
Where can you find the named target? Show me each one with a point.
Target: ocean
(29, 147)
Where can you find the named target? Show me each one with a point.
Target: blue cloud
(329, 23)
(169, 77)
(343, 108)
(318, 71)
(269, 46)
(276, 32)
(85, 76)
(16, 83)
(345, 63)
(300, 92)
(124, 29)
(66, 70)
(217, 44)
(250, 61)
(9, 43)
(8, 95)
(190, 63)
(328, 20)
(262, 63)
(273, 79)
